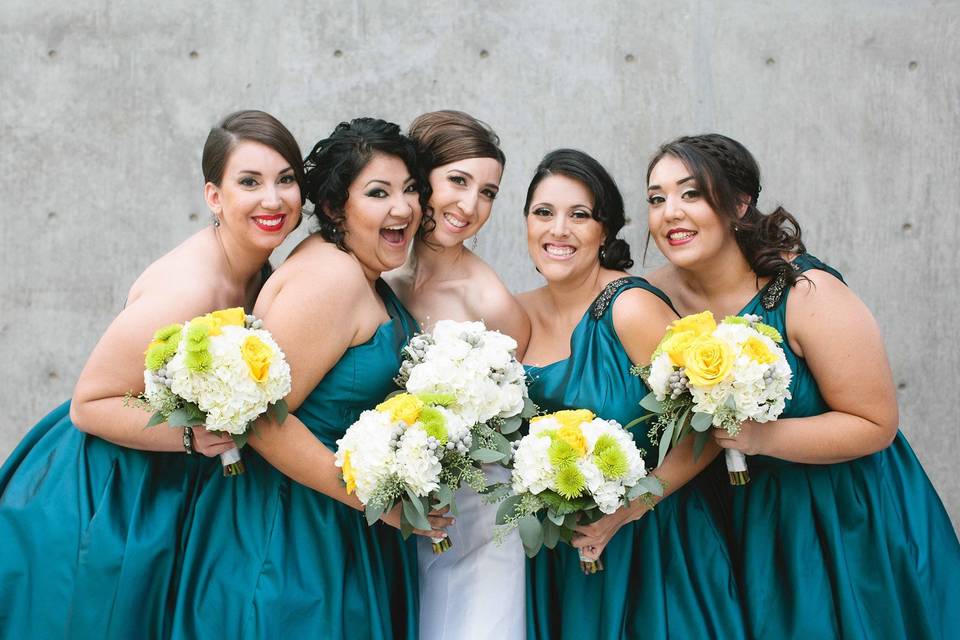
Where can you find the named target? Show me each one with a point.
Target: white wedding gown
(476, 589)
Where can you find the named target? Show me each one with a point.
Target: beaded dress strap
(602, 301)
(773, 293)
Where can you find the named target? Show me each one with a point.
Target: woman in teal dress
(839, 533)
(667, 573)
(284, 551)
(92, 505)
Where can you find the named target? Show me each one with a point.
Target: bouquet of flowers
(221, 371)
(572, 468)
(413, 449)
(705, 374)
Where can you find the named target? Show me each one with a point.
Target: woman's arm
(500, 311)
(834, 332)
(115, 369)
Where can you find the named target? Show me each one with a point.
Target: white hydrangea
(532, 471)
(660, 371)
(476, 366)
(370, 443)
(226, 392)
(157, 393)
(416, 463)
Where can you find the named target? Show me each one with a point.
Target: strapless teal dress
(667, 575)
(266, 557)
(91, 533)
(859, 549)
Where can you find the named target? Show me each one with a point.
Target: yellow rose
(574, 417)
(675, 346)
(573, 436)
(403, 406)
(756, 350)
(349, 477)
(699, 324)
(234, 316)
(257, 355)
(707, 361)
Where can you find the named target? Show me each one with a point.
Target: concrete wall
(850, 107)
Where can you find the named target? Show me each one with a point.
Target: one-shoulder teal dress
(266, 557)
(90, 533)
(859, 549)
(667, 575)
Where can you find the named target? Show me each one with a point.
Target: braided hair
(728, 173)
(336, 161)
(607, 205)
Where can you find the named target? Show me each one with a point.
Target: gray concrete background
(850, 107)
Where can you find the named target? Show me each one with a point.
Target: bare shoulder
(639, 309)
(317, 273)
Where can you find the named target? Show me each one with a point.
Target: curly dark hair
(729, 175)
(607, 205)
(336, 161)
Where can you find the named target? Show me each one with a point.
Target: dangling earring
(474, 240)
(216, 222)
(603, 255)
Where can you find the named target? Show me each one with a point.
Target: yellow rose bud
(707, 361)
(232, 317)
(212, 324)
(403, 406)
(676, 345)
(349, 476)
(573, 436)
(699, 324)
(257, 355)
(756, 350)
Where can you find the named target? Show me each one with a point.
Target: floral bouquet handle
(737, 467)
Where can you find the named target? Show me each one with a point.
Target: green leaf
(650, 403)
(413, 511)
(529, 409)
(682, 426)
(194, 414)
(699, 440)
(730, 403)
(701, 421)
(444, 497)
(648, 484)
(507, 509)
(373, 513)
(487, 455)
(531, 535)
(551, 534)
(665, 439)
(240, 439)
(643, 418)
(511, 424)
(406, 529)
(555, 517)
(178, 418)
(570, 521)
(278, 411)
(155, 419)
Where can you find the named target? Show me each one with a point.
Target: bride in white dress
(475, 589)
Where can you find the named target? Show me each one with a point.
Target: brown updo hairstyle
(607, 201)
(729, 177)
(449, 136)
(256, 126)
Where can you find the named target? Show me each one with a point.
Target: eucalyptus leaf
(194, 414)
(650, 403)
(511, 424)
(444, 496)
(412, 512)
(155, 419)
(278, 411)
(531, 535)
(730, 403)
(405, 527)
(635, 422)
(680, 430)
(701, 421)
(178, 418)
(486, 455)
(507, 509)
(502, 445)
(699, 441)
(417, 503)
(373, 513)
(651, 484)
(529, 409)
(665, 438)
(570, 521)
(555, 517)
(551, 534)
(240, 439)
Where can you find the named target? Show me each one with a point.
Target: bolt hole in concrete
(629, 57)
(194, 55)
(907, 226)
(771, 62)
(913, 65)
(51, 215)
(53, 375)
(902, 386)
(484, 53)
(194, 217)
(52, 53)
(337, 53)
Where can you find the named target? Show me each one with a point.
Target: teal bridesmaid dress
(859, 549)
(667, 575)
(266, 557)
(90, 532)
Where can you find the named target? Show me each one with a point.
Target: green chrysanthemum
(163, 347)
(197, 345)
(561, 454)
(570, 482)
(610, 458)
(769, 331)
(736, 320)
(163, 334)
(434, 423)
(198, 361)
(440, 399)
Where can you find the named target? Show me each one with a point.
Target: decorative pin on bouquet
(220, 371)
(704, 374)
(466, 397)
(571, 469)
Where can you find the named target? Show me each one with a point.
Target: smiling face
(562, 237)
(685, 227)
(381, 214)
(258, 199)
(463, 195)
